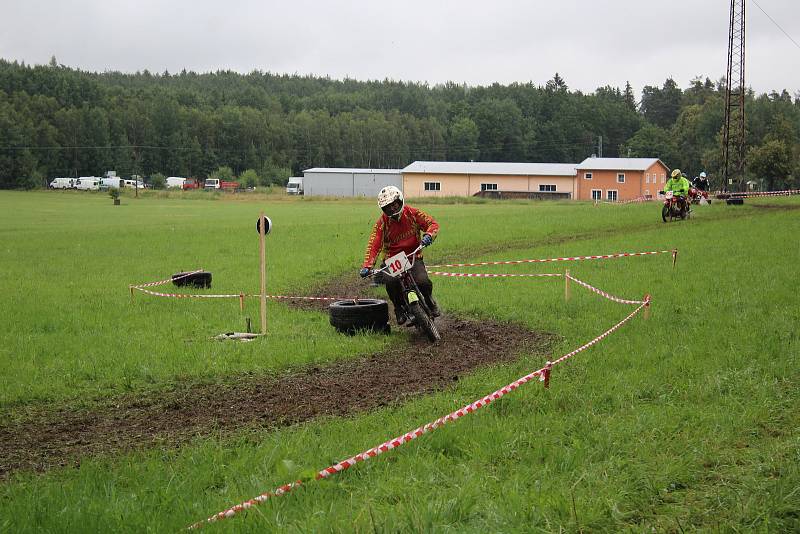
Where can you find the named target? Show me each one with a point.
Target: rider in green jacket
(677, 184)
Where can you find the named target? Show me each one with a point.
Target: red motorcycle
(697, 196)
(674, 207)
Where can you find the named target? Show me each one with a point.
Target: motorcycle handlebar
(411, 256)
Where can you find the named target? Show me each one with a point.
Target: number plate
(397, 264)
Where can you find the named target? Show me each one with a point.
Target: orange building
(619, 178)
(454, 178)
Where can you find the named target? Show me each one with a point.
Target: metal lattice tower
(733, 134)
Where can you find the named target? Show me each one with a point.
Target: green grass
(686, 421)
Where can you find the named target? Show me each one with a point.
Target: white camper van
(134, 184)
(88, 183)
(295, 186)
(62, 183)
(175, 182)
(111, 182)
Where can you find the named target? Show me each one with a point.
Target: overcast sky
(589, 43)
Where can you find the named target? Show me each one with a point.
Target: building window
(488, 187)
(587, 176)
(621, 178)
(433, 186)
(597, 194)
(611, 195)
(546, 188)
(663, 178)
(647, 178)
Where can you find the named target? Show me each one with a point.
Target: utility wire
(776, 24)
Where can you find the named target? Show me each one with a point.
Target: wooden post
(241, 302)
(131, 288)
(546, 374)
(674, 257)
(566, 286)
(647, 307)
(261, 229)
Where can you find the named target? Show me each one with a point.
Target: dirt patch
(167, 419)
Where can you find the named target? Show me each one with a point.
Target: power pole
(733, 133)
(600, 147)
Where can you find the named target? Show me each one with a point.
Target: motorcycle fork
(413, 293)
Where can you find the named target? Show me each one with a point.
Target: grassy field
(688, 420)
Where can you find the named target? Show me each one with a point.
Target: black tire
(423, 322)
(350, 316)
(664, 213)
(201, 279)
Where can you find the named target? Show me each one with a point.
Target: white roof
(480, 167)
(617, 164)
(356, 171)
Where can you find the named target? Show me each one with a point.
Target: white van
(88, 183)
(175, 182)
(62, 183)
(212, 183)
(134, 184)
(295, 186)
(112, 182)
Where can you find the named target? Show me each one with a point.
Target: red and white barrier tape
(609, 296)
(487, 275)
(162, 282)
(232, 296)
(785, 193)
(186, 296)
(542, 373)
(574, 258)
(618, 202)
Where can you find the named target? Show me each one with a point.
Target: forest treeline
(59, 121)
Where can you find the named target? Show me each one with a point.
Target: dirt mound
(169, 418)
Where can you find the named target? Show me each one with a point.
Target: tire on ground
(350, 316)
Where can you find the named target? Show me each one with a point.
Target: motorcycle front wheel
(423, 322)
(664, 213)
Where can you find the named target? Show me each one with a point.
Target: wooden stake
(674, 257)
(647, 307)
(546, 374)
(261, 229)
(241, 302)
(131, 288)
(567, 292)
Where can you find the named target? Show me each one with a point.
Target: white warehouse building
(333, 182)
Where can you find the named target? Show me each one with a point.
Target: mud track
(63, 437)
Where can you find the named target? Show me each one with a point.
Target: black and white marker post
(263, 225)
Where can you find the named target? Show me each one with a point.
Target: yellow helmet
(676, 173)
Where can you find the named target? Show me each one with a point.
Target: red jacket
(390, 236)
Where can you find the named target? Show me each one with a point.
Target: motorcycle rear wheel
(423, 322)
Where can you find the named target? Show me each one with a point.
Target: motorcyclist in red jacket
(401, 228)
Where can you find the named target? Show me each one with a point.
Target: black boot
(400, 316)
(434, 308)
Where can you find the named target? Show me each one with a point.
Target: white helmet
(389, 194)
(703, 174)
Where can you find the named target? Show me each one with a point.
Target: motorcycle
(698, 196)
(673, 208)
(399, 266)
